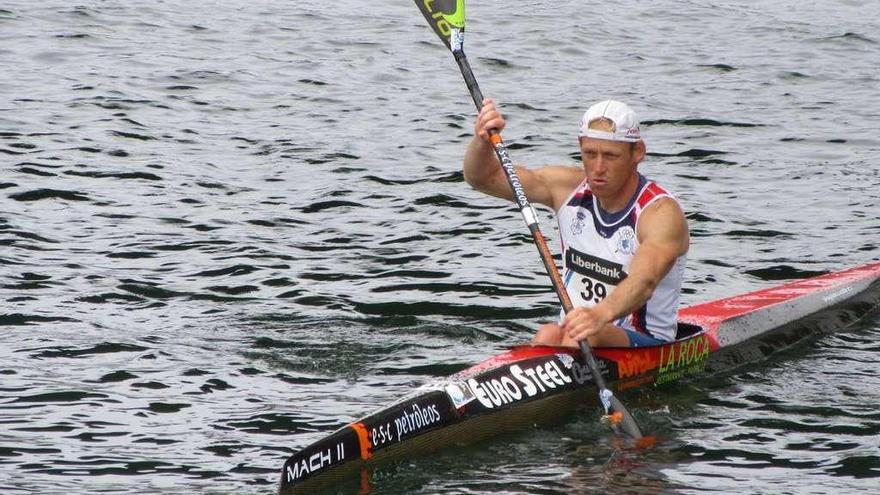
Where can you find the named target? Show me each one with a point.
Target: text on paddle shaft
(518, 191)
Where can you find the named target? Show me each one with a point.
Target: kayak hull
(533, 385)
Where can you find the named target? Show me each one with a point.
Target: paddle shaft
(528, 212)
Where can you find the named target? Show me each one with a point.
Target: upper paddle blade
(443, 16)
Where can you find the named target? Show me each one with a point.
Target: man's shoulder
(651, 191)
(563, 174)
(663, 220)
(560, 181)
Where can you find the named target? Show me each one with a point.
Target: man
(624, 238)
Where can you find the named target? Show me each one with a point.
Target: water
(229, 228)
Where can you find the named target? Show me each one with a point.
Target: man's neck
(621, 200)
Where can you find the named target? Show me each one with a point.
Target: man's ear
(640, 151)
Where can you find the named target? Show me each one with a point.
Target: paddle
(446, 17)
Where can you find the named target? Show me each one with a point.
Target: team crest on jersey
(577, 225)
(626, 240)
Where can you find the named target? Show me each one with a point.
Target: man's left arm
(663, 237)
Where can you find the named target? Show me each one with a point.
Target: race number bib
(592, 278)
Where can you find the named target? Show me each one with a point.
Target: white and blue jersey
(598, 248)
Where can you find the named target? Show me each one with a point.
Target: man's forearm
(630, 295)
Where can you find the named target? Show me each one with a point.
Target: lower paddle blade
(616, 415)
(443, 16)
(622, 421)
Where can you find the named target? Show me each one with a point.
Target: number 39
(593, 291)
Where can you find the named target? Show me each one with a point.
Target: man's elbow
(650, 279)
(471, 179)
(649, 284)
(482, 182)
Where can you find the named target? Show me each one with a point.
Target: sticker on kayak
(460, 394)
(525, 380)
(565, 359)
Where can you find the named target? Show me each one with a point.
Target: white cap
(626, 124)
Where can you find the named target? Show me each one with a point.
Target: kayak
(529, 385)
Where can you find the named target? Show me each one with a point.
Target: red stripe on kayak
(712, 313)
(518, 353)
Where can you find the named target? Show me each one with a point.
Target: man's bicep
(654, 260)
(664, 225)
(663, 238)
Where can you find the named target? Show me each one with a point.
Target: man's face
(609, 164)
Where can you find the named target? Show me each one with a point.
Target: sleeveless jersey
(598, 248)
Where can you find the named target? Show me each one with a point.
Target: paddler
(624, 237)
